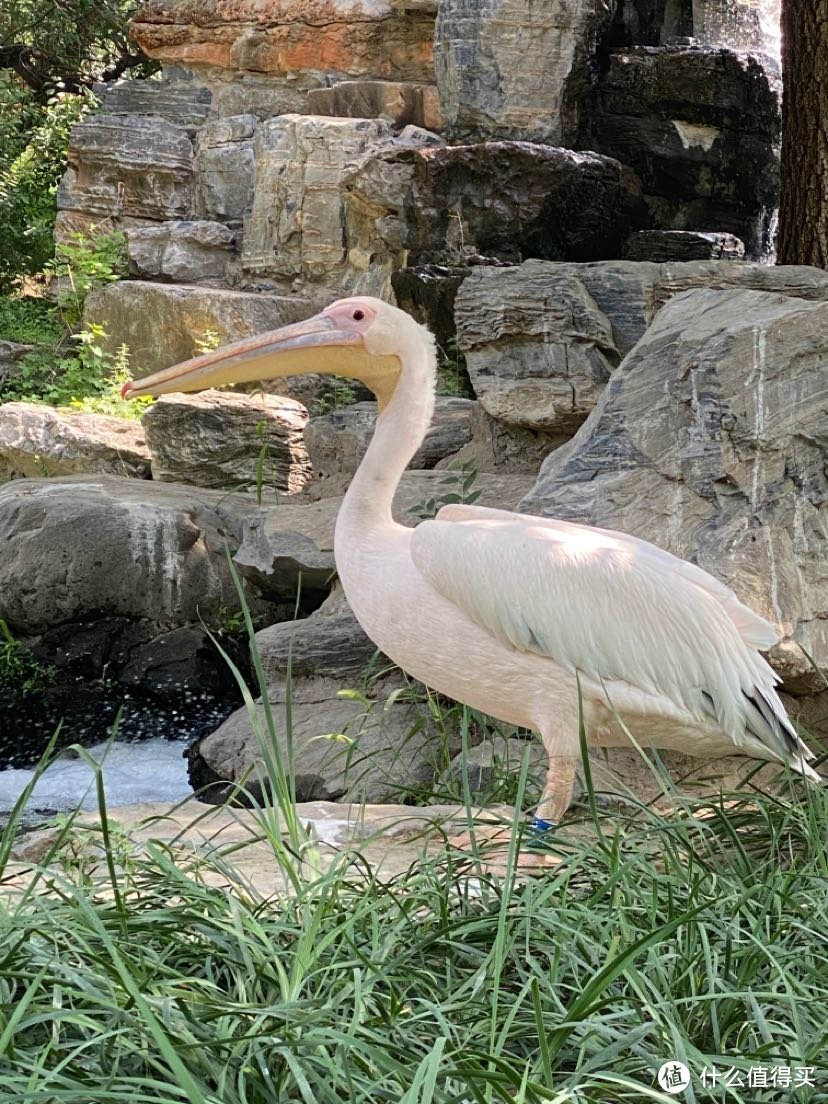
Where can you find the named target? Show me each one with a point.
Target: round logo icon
(674, 1077)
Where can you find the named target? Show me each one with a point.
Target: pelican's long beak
(315, 345)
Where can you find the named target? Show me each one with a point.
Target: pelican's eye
(358, 315)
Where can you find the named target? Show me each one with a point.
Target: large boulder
(102, 547)
(508, 200)
(295, 225)
(540, 339)
(374, 744)
(37, 440)
(162, 324)
(709, 441)
(513, 69)
(538, 351)
(224, 168)
(133, 166)
(223, 440)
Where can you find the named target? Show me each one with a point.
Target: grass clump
(697, 939)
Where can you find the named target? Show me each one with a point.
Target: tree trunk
(803, 200)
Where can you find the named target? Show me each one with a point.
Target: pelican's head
(360, 337)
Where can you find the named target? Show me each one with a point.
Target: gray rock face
(701, 130)
(134, 166)
(402, 102)
(710, 442)
(538, 356)
(223, 440)
(511, 69)
(343, 750)
(389, 745)
(337, 441)
(38, 440)
(97, 547)
(181, 252)
(162, 323)
(628, 294)
(224, 168)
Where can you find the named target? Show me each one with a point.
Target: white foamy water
(134, 773)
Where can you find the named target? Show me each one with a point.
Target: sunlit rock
(37, 440)
(225, 440)
(710, 441)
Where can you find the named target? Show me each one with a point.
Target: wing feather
(612, 607)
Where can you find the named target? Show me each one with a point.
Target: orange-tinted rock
(356, 38)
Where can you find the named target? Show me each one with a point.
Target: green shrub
(34, 138)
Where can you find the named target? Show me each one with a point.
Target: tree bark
(803, 199)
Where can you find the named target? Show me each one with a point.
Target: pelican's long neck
(401, 426)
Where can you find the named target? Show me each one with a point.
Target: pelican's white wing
(614, 608)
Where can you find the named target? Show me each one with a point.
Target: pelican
(538, 622)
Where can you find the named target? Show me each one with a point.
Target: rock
(341, 749)
(537, 357)
(161, 324)
(337, 441)
(701, 129)
(284, 562)
(95, 547)
(37, 440)
(134, 166)
(182, 252)
(328, 645)
(368, 746)
(511, 69)
(295, 226)
(178, 98)
(224, 168)
(400, 101)
(630, 293)
(296, 44)
(683, 245)
(710, 442)
(507, 200)
(224, 440)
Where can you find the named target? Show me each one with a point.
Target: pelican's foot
(489, 844)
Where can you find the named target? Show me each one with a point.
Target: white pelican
(511, 613)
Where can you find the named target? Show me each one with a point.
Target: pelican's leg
(557, 793)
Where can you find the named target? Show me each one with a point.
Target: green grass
(702, 936)
(701, 940)
(30, 321)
